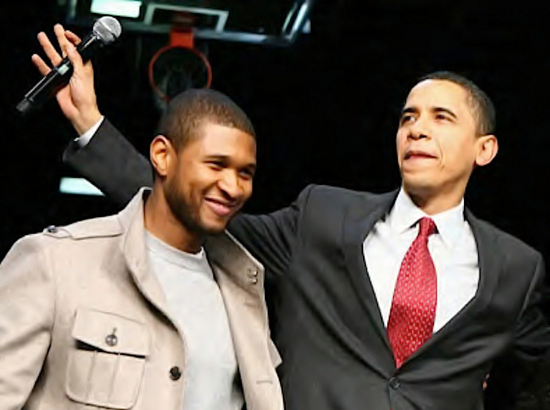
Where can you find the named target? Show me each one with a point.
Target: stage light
(119, 8)
(78, 186)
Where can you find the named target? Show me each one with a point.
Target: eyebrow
(412, 110)
(224, 158)
(408, 110)
(445, 110)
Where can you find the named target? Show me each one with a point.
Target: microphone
(105, 31)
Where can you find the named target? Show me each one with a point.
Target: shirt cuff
(85, 138)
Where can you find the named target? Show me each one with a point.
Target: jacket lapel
(241, 281)
(489, 262)
(135, 253)
(240, 278)
(359, 221)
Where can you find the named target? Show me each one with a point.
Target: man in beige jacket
(126, 312)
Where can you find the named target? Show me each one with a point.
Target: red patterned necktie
(412, 312)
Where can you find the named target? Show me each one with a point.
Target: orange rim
(166, 48)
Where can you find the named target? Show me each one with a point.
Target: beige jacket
(84, 324)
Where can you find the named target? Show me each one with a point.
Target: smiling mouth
(220, 208)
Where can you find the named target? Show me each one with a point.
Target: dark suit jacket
(324, 314)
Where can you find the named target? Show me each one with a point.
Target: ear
(162, 155)
(487, 148)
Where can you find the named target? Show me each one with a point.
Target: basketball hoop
(179, 66)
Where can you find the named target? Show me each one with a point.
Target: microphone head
(108, 29)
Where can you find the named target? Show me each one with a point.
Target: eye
(246, 174)
(216, 165)
(406, 118)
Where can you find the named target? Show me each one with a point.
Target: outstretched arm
(107, 160)
(111, 163)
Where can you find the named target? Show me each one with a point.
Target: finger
(40, 64)
(49, 49)
(74, 58)
(72, 37)
(61, 38)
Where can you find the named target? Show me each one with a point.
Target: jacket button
(111, 340)
(394, 383)
(175, 373)
(51, 229)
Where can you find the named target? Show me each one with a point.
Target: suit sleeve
(26, 320)
(272, 237)
(111, 163)
(520, 379)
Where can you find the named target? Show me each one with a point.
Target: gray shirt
(196, 304)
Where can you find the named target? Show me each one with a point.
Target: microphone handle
(58, 77)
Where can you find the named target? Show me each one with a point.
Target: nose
(229, 184)
(418, 129)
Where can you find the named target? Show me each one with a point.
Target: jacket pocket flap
(111, 332)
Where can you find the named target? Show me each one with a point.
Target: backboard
(270, 22)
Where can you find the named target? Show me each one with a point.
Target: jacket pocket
(106, 367)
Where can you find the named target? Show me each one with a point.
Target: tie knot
(427, 227)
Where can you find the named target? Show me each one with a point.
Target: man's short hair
(188, 111)
(483, 107)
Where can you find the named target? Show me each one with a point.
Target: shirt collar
(405, 214)
(190, 261)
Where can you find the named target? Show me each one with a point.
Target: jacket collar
(135, 252)
(223, 252)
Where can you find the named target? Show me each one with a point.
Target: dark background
(325, 109)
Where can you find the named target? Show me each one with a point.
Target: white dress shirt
(85, 138)
(452, 247)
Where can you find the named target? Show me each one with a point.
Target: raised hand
(77, 100)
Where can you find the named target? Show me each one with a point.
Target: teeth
(220, 203)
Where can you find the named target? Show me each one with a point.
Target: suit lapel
(489, 262)
(359, 221)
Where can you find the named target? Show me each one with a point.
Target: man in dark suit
(400, 301)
